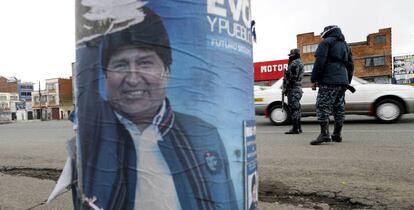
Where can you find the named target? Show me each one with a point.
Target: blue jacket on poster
(187, 141)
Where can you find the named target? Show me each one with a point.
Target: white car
(384, 101)
(260, 88)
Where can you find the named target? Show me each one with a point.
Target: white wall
(21, 115)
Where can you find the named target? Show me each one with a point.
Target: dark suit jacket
(191, 147)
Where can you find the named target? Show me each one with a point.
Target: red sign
(269, 70)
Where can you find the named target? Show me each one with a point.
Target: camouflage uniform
(331, 100)
(293, 88)
(294, 77)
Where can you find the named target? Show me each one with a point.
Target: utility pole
(40, 103)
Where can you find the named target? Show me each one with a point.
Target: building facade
(55, 102)
(25, 90)
(8, 85)
(8, 106)
(39, 104)
(372, 58)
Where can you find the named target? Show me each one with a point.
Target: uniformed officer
(293, 89)
(332, 73)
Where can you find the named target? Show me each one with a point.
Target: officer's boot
(294, 129)
(323, 136)
(336, 136)
(300, 126)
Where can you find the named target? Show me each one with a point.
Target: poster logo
(229, 23)
(213, 162)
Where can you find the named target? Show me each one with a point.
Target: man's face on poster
(135, 81)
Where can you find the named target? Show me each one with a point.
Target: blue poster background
(211, 82)
(211, 78)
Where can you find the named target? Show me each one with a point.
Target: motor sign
(269, 70)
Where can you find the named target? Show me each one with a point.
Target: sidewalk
(19, 192)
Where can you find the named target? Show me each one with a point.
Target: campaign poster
(251, 175)
(162, 91)
(404, 70)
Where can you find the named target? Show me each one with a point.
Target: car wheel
(388, 111)
(278, 116)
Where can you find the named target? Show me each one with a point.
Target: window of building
(381, 39)
(308, 67)
(4, 106)
(36, 99)
(26, 93)
(375, 61)
(310, 48)
(26, 87)
(3, 98)
(379, 61)
(14, 98)
(52, 99)
(43, 98)
(50, 86)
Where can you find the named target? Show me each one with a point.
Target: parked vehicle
(384, 101)
(260, 88)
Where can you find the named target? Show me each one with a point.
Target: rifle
(283, 89)
(350, 88)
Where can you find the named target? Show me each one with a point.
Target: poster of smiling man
(163, 90)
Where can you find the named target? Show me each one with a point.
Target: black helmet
(328, 29)
(150, 34)
(293, 52)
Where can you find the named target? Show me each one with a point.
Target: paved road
(373, 166)
(32, 144)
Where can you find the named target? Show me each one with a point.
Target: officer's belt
(332, 87)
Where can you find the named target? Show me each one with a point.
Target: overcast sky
(37, 40)
(38, 37)
(278, 22)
